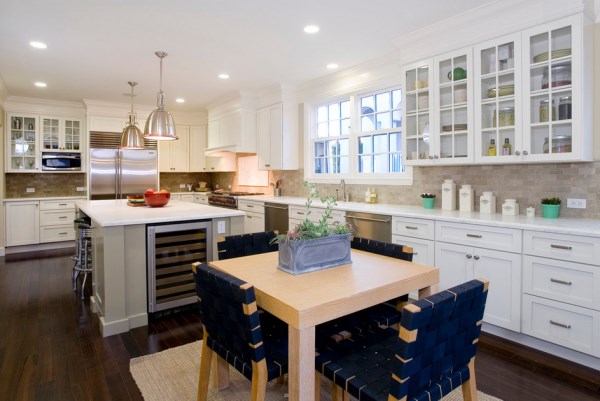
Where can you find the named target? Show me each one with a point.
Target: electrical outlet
(216, 186)
(80, 189)
(221, 227)
(576, 203)
(228, 186)
(181, 185)
(29, 190)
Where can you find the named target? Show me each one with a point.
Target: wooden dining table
(306, 300)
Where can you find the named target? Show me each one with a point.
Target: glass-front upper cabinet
(418, 102)
(553, 92)
(498, 102)
(453, 107)
(22, 143)
(61, 134)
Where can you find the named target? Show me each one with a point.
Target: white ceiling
(95, 47)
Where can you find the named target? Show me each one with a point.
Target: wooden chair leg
(337, 394)
(469, 388)
(317, 386)
(220, 378)
(205, 365)
(259, 381)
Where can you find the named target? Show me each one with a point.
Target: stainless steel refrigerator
(116, 173)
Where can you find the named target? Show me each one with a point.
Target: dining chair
(235, 246)
(433, 353)
(231, 326)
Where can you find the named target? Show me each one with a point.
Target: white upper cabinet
(61, 133)
(173, 155)
(197, 146)
(498, 115)
(233, 130)
(22, 143)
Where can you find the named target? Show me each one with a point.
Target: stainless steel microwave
(60, 161)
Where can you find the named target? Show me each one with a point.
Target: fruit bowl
(157, 199)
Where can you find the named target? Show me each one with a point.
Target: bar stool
(83, 255)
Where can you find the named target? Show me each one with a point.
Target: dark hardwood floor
(51, 348)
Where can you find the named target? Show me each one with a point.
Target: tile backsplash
(45, 185)
(527, 183)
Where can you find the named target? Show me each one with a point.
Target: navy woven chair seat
(235, 246)
(233, 329)
(432, 354)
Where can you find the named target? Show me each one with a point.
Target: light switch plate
(29, 190)
(221, 227)
(80, 189)
(181, 185)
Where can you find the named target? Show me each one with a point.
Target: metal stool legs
(83, 256)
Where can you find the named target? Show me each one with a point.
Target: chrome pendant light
(160, 125)
(132, 137)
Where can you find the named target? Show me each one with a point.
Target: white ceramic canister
(448, 195)
(466, 198)
(510, 207)
(487, 203)
(530, 212)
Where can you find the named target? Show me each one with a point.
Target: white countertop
(109, 213)
(561, 225)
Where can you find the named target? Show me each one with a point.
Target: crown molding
(41, 106)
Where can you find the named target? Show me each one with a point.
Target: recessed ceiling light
(40, 84)
(180, 100)
(332, 66)
(311, 29)
(224, 76)
(38, 45)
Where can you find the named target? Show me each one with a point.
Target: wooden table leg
(301, 383)
(219, 378)
(427, 291)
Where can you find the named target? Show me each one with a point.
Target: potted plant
(550, 207)
(314, 246)
(428, 200)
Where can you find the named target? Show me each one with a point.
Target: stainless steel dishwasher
(370, 225)
(276, 217)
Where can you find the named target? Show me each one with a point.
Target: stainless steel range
(228, 199)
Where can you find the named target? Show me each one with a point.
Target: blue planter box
(297, 257)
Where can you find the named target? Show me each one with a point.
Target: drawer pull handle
(62, 217)
(415, 253)
(559, 324)
(476, 257)
(411, 228)
(249, 206)
(469, 256)
(249, 216)
(565, 247)
(474, 235)
(300, 213)
(555, 280)
(63, 233)
(62, 204)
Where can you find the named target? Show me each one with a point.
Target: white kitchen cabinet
(22, 148)
(439, 110)
(561, 289)
(187, 198)
(22, 223)
(233, 130)
(56, 220)
(173, 155)
(59, 133)
(467, 251)
(201, 198)
(423, 250)
(460, 263)
(556, 59)
(108, 123)
(254, 221)
(277, 136)
(197, 142)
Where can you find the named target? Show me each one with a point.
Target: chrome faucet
(344, 196)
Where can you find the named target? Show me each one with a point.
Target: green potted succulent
(314, 245)
(550, 207)
(428, 200)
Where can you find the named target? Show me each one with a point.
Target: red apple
(163, 191)
(149, 191)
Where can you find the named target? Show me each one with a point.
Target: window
(332, 153)
(379, 141)
(358, 138)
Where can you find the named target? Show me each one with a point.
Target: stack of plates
(504, 90)
(457, 127)
(555, 54)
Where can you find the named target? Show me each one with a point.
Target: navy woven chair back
(233, 327)
(438, 341)
(432, 354)
(383, 248)
(235, 246)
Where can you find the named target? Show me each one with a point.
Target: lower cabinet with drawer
(459, 263)
(56, 221)
(561, 290)
(418, 234)
(297, 214)
(255, 216)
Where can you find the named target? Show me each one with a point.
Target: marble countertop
(109, 213)
(561, 225)
(51, 198)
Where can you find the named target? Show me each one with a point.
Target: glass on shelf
(488, 61)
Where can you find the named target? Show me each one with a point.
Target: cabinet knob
(267, 165)
(518, 153)
(525, 153)
(476, 257)
(469, 256)
(431, 157)
(436, 157)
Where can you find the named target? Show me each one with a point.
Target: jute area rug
(172, 375)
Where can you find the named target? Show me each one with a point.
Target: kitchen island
(119, 283)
